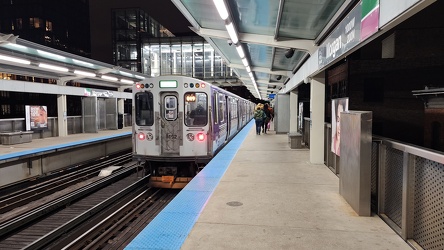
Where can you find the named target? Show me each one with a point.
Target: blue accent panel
(172, 225)
(60, 146)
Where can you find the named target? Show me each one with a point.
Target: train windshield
(196, 111)
(144, 109)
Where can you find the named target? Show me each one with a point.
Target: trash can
(295, 140)
(120, 121)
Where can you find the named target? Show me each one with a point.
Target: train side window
(222, 107)
(144, 109)
(215, 108)
(170, 102)
(196, 109)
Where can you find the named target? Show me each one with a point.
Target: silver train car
(180, 123)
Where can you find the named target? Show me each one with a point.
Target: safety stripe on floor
(171, 226)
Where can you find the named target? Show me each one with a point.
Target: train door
(170, 122)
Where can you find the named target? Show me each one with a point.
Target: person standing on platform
(259, 116)
(267, 119)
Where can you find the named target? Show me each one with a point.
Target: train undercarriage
(173, 175)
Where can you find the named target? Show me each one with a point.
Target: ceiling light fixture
(245, 61)
(13, 59)
(84, 73)
(53, 67)
(127, 81)
(52, 55)
(232, 33)
(221, 8)
(109, 78)
(240, 51)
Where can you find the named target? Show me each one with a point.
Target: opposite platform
(50, 143)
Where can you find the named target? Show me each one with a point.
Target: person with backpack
(259, 117)
(266, 119)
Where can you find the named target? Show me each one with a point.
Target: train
(180, 123)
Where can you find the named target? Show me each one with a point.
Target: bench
(295, 140)
(16, 137)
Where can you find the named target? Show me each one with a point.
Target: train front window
(170, 107)
(144, 109)
(196, 113)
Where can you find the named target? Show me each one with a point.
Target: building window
(19, 23)
(48, 26)
(6, 109)
(35, 22)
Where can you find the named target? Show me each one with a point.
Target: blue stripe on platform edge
(59, 146)
(171, 226)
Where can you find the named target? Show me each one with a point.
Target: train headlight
(197, 85)
(141, 136)
(190, 137)
(200, 137)
(202, 85)
(185, 85)
(138, 86)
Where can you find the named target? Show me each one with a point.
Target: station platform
(257, 193)
(51, 143)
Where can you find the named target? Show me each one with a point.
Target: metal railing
(407, 188)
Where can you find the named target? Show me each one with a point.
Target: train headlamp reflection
(141, 136)
(200, 137)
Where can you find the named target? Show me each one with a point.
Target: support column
(317, 112)
(61, 112)
(293, 112)
(121, 102)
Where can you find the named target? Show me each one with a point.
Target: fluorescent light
(251, 75)
(82, 63)
(221, 8)
(17, 45)
(140, 77)
(248, 69)
(126, 74)
(51, 54)
(53, 67)
(84, 73)
(232, 33)
(245, 62)
(13, 59)
(126, 81)
(240, 51)
(109, 78)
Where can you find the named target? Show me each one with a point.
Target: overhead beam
(263, 70)
(299, 44)
(262, 82)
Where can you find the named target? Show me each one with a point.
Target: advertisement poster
(301, 117)
(36, 117)
(337, 106)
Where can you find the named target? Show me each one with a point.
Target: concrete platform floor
(272, 197)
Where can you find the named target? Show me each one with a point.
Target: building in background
(59, 24)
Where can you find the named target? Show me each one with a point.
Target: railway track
(27, 192)
(39, 227)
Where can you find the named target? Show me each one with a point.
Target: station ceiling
(277, 36)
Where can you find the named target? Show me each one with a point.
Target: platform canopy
(276, 36)
(25, 58)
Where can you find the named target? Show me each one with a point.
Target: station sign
(359, 24)
(271, 96)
